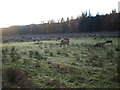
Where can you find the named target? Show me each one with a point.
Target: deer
(108, 41)
(100, 44)
(64, 41)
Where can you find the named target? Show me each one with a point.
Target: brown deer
(109, 41)
(64, 41)
(100, 44)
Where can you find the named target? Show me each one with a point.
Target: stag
(64, 41)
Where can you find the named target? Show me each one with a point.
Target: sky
(24, 12)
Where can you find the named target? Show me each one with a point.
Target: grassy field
(46, 65)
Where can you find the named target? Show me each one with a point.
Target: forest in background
(84, 23)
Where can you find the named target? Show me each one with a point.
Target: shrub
(31, 53)
(15, 77)
(51, 54)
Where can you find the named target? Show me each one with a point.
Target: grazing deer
(100, 44)
(109, 41)
(64, 41)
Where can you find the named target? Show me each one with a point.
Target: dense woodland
(84, 23)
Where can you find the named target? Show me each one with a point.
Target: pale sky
(24, 12)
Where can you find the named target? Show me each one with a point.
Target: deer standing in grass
(64, 41)
(109, 41)
(100, 44)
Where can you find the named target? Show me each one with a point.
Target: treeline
(83, 23)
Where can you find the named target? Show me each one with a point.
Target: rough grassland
(78, 65)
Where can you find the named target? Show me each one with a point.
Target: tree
(68, 19)
(62, 20)
(78, 17)
(114, 11)
(58, 20)
(84, 14)
(42, 22)
(72, 18)
(89, 14)
(51, 21)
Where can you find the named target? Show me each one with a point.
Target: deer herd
(66, 41)
(99, 44)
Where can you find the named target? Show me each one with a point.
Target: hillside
(84, 23)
